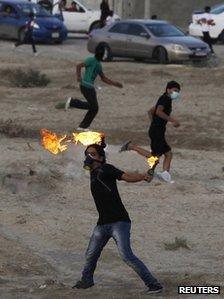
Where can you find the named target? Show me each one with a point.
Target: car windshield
(164, 30)
(38, 11)
(217, 9)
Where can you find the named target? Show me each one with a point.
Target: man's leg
(207, 39)
(167, 161)
(90, 95)
(98, 240)
(121, 235)
(33, 45)
(129, 146)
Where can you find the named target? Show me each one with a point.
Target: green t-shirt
(92, 68)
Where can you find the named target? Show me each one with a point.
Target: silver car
(147, 39)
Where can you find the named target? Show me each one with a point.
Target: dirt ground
(47, 212)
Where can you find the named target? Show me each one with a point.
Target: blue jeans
(120, 232)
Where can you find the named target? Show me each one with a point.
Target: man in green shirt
(93, 68)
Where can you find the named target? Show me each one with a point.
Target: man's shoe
(82, 285)
(67, 104)
(60, 105)
(165, 176)
(124, 147)
(154, 288)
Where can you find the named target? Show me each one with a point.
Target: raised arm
(110, 82)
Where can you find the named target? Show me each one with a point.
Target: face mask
(175, 96)
(88, 162)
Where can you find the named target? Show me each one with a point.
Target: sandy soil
(47, 213)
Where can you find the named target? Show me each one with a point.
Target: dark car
(15, 14)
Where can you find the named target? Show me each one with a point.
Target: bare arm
(110, 82)
(159, 112)
(132, 177)
(78, 70)
(151, 112)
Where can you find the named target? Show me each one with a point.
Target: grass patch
(178, 243)
(25, 79)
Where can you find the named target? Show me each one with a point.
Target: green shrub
(25, 79)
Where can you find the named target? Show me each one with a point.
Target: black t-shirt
(166, 102)
(105, 193)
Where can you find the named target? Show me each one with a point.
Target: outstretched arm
(132, 177)
(78, 70)
(110, 82)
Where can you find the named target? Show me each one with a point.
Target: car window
(164, 30)
(136, 29)
(217, 10)
(27, 8)
(120, 28)
(73, 6)
(8, 10)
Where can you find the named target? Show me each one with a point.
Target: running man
(93, 68)
(160, 114)
(114, 221)
(28, 37)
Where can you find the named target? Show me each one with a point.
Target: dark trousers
(207, 39)
(90, 104)
(120, 232)
(28, 38)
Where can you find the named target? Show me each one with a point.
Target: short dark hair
(31, 14)
(100, 150)
(172, 84)
(99, 52)
(207, 8)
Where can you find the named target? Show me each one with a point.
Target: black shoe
(154, 288)
(124, 147)
(82, 285)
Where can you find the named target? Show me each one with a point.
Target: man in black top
(114, 221)
(160, 115)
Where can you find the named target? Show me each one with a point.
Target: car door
(117, 38)
(76, 21)
(8, 21)
(138, 42)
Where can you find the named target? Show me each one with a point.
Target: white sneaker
(165, 176)
(67, 104)
(79, 129)
(36, 54)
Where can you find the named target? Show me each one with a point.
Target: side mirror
(145, 35)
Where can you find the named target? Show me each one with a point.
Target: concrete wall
(177, 12)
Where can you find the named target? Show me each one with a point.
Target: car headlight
(176, 47)
(36, 26)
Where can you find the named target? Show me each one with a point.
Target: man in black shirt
(160, 115)
(114, 221)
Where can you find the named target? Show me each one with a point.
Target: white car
(216, 31)
(83, 20)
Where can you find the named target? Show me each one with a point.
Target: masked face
(92, 156)
(88, 162)
(175, 95)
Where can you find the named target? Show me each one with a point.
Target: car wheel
(160, 54)
(95, 25)
(21, 34)
(107, 52)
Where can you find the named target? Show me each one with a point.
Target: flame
(87, 138)
(52, 142)
(152, 161)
